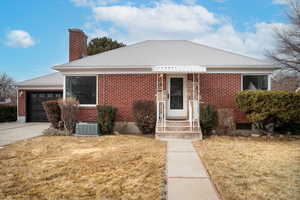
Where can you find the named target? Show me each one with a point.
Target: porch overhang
(179, 69)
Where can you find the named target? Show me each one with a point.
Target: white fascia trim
(87, 73)
(241, 66)
(208, 71)
(147, 67)
(246, 71)
(39, 88)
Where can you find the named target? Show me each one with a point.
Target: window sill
(87, 105)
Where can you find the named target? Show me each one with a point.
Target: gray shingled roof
(48, 80)
(164, 52)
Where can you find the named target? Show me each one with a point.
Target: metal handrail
(162, 113)
(194, 111)
(191, 114)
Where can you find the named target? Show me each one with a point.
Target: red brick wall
(122, 90)
(87, 114)
(219, 90)
(21, 103)
(77, 44)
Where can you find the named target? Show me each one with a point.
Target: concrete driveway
(14, 131)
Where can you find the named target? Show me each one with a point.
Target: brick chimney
(77, 44)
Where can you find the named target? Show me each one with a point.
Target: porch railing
(194, 115)
(161, 115)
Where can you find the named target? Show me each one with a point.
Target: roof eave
(148, 67)
(58, 87)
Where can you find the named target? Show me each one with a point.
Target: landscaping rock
(116, 133)
(255, 135)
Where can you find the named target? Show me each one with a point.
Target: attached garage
(32, 93)
(35, 111)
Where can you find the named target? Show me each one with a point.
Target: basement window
(255, 82)
(82, 88)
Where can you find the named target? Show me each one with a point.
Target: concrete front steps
(177, 129)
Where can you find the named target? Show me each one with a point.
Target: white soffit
(179, 69)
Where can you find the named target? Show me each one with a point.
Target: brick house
(177, 74)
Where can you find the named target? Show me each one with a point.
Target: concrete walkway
(14, 131)
(187, 177)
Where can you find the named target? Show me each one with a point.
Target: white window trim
(269, 80)
(82, 105)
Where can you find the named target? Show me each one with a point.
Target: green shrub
(8, 113)
(106, 118)
(53, 112)
(208, 118)
(144, 112)
(270, 107)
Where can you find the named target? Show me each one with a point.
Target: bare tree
(283, 80)
(7, 87)
(287, 53)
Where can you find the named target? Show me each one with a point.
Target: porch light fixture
(21, 94)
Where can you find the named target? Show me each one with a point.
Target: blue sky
(34, 36)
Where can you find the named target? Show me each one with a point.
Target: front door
(177, 108)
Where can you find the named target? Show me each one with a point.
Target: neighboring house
(177, 74)
(4, 100)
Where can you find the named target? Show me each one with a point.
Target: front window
(82, 87)
(255, 82)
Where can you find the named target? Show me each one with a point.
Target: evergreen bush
(8, 113)
(208, 118)
(270, 107)
(106, 118)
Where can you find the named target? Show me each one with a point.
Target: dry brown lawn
(102, 168)
(253, 169)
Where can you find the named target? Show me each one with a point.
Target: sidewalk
(186, 175)
(13, 132)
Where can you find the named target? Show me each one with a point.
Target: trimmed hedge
(8, 113)
(266, 107)
(145, 115)
(106, 118)
(53, 112)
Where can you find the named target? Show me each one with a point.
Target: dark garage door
(34, 109)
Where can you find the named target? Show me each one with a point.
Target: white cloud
(170, 20)
(19, 38)
(164, 17)
(281, 2)
(249, 43)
